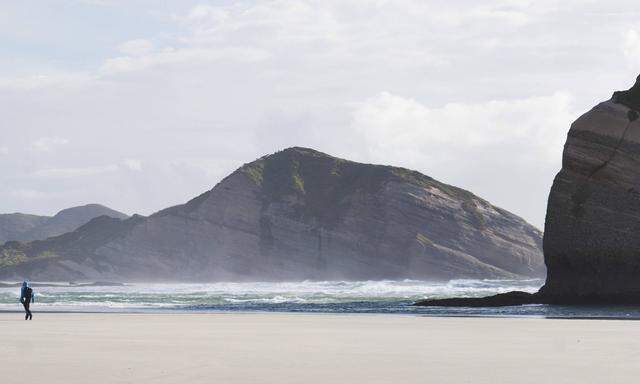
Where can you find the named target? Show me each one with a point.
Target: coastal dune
(314, 348)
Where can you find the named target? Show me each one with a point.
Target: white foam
(258, 293)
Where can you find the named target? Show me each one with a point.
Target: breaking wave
(306, 296)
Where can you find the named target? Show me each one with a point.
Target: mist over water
(308, 296)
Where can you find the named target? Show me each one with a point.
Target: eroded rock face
(299, 214)
(592, 230)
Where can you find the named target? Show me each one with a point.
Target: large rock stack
(592, 230)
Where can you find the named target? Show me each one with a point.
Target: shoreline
(171, 312)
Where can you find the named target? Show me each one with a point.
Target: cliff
(297, 214)
(591, 243)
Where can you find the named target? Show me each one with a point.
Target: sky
(140, 105)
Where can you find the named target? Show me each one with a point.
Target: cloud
(48, 144)
(189, 56)
(631, 46)
(68, 173)
(4, 151)
(136, 47)
(28, 194)
(36, 81)
(396, 126)
(206, 14)
(132, 164)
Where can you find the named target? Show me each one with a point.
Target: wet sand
(314, 348)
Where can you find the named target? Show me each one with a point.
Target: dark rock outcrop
(298, 214)
(592, 229)
(23, 227)
(499, 300)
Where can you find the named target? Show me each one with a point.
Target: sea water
(307, 296)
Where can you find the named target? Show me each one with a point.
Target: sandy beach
(310, 348)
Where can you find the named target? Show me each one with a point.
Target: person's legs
(28, 314)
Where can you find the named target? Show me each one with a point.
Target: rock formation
(297, 214)
(23, 227)
(592, 228)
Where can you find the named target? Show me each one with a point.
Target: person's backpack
(28, 292)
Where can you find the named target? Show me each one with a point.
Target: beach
(313, 348)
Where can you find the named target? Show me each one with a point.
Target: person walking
(26, 298)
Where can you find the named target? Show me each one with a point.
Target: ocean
(307, 296)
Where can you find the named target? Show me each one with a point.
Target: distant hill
(24, 227)
(297, 214)
(15, 226)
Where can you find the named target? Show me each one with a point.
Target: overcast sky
(140, 105)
